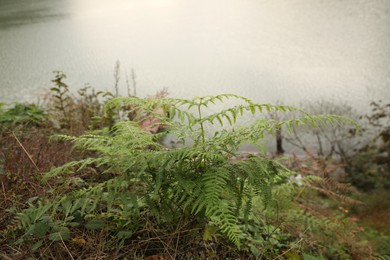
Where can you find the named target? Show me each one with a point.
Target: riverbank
(106, 188)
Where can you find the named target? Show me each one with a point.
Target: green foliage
(21, 115)
(61, 99)
(135, 177)
(77, 113)
(381, 243)
(369, 168)
(318, 226)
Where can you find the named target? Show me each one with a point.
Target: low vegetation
(88, 176)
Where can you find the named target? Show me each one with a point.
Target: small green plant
(135, 178)
(77, 113)
(21, 115)
(62, 101)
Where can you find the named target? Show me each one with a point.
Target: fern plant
(135, 176)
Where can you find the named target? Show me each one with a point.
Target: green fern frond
(214, 182)
(227, 221)
(72, 167)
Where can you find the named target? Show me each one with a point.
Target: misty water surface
(279, 50)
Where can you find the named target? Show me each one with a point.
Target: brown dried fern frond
(313, 165)
(336, 196)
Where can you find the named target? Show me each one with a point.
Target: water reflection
(18, 12)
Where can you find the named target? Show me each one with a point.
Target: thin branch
(285, 252)
(128, 85)
(5, 194)
(70, 254)
(117, 77)
(5, 257)
(133, 78)
(29, 156)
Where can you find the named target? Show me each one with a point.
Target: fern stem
(201, 126)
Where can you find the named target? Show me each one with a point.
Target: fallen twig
(24, 149)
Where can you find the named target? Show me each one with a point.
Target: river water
(267, 50)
